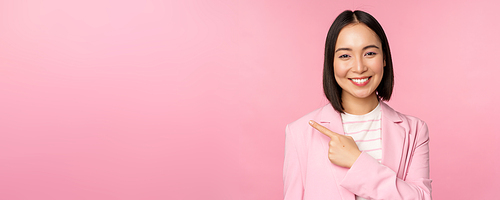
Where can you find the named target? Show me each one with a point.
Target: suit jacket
(403, 172)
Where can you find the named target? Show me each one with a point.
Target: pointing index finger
(322, 129)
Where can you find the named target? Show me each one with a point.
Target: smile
(360, 81)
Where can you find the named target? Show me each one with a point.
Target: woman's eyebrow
(371, 46)
(364, 48)
(343, 49)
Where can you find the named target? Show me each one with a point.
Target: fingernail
(311, 122)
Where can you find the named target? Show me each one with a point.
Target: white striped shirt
(366, 132)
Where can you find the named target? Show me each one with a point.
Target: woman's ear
(384, 62)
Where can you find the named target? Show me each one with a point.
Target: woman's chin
(364, 95)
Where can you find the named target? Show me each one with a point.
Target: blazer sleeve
(292, 175)
(370, 179)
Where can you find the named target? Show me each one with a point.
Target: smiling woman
(357, 147)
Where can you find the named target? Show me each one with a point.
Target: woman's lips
(360, 81)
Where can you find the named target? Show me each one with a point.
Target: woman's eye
(371, 54)
(344, 56)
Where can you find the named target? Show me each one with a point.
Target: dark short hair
(333, 91)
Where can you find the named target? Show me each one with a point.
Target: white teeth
(359, 81)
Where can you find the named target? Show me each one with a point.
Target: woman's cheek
(340, 70)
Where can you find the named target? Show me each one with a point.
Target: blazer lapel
(331, 119)
(394, 140)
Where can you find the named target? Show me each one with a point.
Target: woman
(357, 147)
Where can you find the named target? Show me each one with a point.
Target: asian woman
(357, 147)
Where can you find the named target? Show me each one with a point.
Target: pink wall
(189, 99)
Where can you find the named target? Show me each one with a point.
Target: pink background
(105, 99)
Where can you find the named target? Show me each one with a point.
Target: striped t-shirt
(366, 132)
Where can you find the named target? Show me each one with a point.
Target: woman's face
(358, 61)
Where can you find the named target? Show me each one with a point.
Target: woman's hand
(343, 150)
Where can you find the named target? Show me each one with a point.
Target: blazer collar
(330, 116)
(390, 113)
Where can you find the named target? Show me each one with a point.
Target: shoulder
(303, 122)
(395, 115)
(301, 135)
(301, 132)
(413, 124)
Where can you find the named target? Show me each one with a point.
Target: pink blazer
(403, 173)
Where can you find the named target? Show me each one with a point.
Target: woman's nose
(359, 66)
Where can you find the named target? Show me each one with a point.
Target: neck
(358, 106)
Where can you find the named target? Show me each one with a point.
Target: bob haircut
(333, 91)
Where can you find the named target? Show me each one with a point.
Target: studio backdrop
(108, 99)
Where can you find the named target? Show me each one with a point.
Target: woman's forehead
(357, 35)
